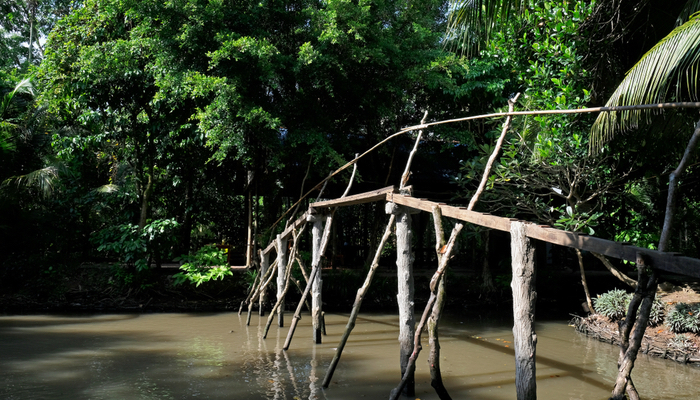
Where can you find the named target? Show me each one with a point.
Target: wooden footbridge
(400, 205)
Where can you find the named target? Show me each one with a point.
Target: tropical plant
(684, 318)
(615, 303)
(208, 263)
(612, 304)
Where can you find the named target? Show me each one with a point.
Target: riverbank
(658, 341)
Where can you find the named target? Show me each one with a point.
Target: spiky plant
(612, 304)
(684, 318)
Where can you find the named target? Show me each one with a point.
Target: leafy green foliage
(668, 70)
(134, 246)
(615, 303)
(208, 263)
(612, 304)
(684, 318)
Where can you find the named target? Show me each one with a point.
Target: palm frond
(674, 62)
(43, 180)
(109, 188)
(471, 22)
(690, 8)
(25, 86)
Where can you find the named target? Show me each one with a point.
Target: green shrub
(209, 263)
(614, 305)
(684, 318)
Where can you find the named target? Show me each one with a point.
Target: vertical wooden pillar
(317, 282)
(405, 290)
(281, 245)
(264, 265)
(524, 296)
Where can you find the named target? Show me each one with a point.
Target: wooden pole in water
(524, 296)
(434, 284)
(262, 285)
(361, 292)
(281, 245)
(264, 265)
(314, 271)
(287, 278)
(316, 282)
(405, 290)
(441, 251)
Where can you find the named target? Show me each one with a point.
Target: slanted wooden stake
(524, 296)
(262, 285)
(250, 294)
(641, 301)
(282, 260)
(285, 283)
(315, 267)
(404, 275)
(434, 283)
(361, 292)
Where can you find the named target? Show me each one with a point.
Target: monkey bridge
(399, 206)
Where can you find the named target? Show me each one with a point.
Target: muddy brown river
(215, 356)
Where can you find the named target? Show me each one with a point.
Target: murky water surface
(215, 356)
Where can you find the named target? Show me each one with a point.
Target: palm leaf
(472, 22)
(690, 8)
(25, 86)
(671, 63)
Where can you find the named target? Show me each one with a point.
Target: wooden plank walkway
(670, 262)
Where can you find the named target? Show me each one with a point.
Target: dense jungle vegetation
(137, 132)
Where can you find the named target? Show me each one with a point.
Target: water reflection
(216, 356)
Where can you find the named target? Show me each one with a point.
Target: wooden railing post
(524, 296)
(281, 245)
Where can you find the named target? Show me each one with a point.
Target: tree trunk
(584, 282)
(145, 198)
(616, 272)
(524, 296)
(672, 183)
(642, 300)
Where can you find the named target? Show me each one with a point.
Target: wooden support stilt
(264, 265)
(434, 284)
(315, 268)
(316, 282)
(262, 286)
(405, 290)
(361, 292)
(282, 278)
(434, 319)
(250, 294)
(285, 283)
(524, 296)
(641, 301)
